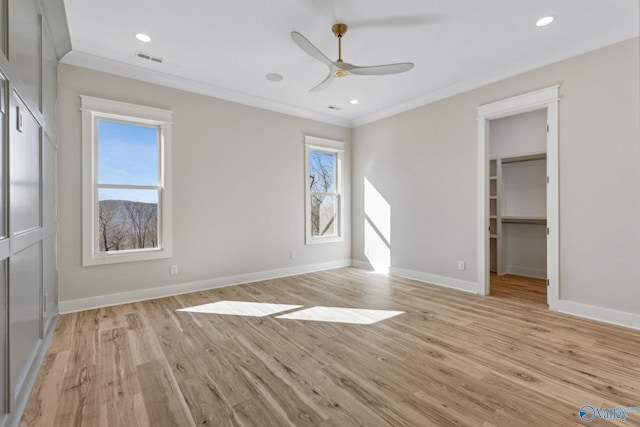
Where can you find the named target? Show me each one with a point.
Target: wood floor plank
(206, 402)
(41, 406)
(165, 404)
(518, 287)
(63, 336)
(451, 358)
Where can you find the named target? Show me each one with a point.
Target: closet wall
(28, 209)
(519, 241)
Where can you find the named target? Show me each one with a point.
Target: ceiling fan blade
(381, 70)
(310, 49)
(398, 21)
(323, 84)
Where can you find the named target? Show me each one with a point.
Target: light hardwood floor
(451, 358)
(523, 289)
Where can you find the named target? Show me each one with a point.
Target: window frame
(329, 146)
(93, 110)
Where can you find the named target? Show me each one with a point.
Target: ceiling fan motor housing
(339, 29)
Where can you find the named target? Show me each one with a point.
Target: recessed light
(354, 101)
(274, 77)
(143, 37)
(545, 21)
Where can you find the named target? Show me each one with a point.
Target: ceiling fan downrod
(339, 30)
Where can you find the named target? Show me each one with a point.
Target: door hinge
(547, 282)
(547, 128)
(2, 90)
(547, 231)
(547, 180)
(18, 119)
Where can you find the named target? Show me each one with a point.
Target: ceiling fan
(339, 68)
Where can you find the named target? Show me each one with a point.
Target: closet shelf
(524, 220)
(527, 158)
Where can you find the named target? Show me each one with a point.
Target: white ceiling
(225, 49)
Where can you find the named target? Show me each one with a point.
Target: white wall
(525, 249)
(518, 135)
(524, 189)
(524, 194)
(238, 192)
(423, 163)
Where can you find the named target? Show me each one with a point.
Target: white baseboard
(607, 315)
(432, 279)
(71, 306)
(527, 272)
(446, 282)
(602, 314)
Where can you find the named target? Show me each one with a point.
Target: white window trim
(92, 109)
(321, 144)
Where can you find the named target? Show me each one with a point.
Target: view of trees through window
(128, 186)
(323, 193)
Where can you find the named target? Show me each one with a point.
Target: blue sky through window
(322, 171)
(127, 155)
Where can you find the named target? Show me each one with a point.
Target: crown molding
(471, 84)
(93, 62)
(86, 60)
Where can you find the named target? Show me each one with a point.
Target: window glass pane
(127, 219)
(322, 171)
(324, 209)
(127, 154)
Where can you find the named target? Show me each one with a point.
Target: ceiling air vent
(333, 107)
(149, 57)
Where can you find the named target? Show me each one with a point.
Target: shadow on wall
(377, 228)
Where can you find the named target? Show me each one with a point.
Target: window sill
(321, 240)
(116, 258)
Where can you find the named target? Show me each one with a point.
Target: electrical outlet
(293, 255)
(174, 269)
(461, 265)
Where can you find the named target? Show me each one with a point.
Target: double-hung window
(323, 190)
(126, 197)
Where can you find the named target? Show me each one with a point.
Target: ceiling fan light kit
(339, 68)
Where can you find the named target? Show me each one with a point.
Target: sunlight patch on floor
(240, 308)
(356, 316)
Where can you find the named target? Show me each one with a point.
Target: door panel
(25, 153)
(25, 317)
(3, 336)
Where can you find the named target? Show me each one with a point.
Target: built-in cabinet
(29, 53)
(517, 203)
